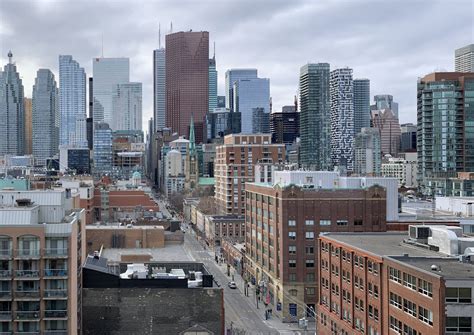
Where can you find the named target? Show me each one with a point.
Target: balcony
(55, 314)
(56, 253)
(27, 274)
(55, 272)
(6, 333)
(27, 315)
(5, 253)
(28, 332)
(27, 253)
(5, 274)
(5, 315)
(55, 294)
(6, 295)
(54, 332)
(33, 294)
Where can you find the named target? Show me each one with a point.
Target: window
(395, 300)
(292, 249)
(292, 235)
(310, 277)
(409, 281)
(293, 293)
(425, 287)
(461, 295)
(309, 222)
(341, 222)
(292, 223)
(395, 325)
(459, 324)
(357, 222)
(395, 275)
(409, 307)
(425, 315)
(310, 263)
(376, 291)
(324, 222)
(310, 291)
(292, 276)
(292, 263)
(407, 330)
(309, 235)
(309, 250)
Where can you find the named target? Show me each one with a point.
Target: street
(238, 311)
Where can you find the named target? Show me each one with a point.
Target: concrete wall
(147, 311)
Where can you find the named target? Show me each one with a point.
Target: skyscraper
(212, 84)
(315, 149)
(385, 101)
(367, 152)
(361, 104)
(408, 137)
(187, 81)
(45, 116)
(252, 100)
(127, 105)
(107, 74)
(28, 126)
(285, 125)
(72, 103)
(445, 135)
(342, 118)
(159, 87)
(464, 59)
(231, 76)
(102, 149)
(12, 111)
(389, 127)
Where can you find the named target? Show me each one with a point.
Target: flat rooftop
(449, 268)
(169, 253)
(122, 227)
(382, 244)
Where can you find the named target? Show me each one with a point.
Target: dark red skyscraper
(187, 81)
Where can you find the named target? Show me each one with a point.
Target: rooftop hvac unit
(419, 232)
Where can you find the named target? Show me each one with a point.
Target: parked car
(232, 285)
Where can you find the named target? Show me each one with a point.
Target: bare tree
(176, 200)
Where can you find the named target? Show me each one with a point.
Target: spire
(192, 142)
(159, 35)
(214, 54)
(10, 56)
(171, 27)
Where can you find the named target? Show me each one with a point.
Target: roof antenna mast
(159, 36)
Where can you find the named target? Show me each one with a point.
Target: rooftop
(382, 244)
(170, 253)
(124, 227)
(449, 268)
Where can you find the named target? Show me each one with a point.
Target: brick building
(282, 226)
(234, 166)
(415, 290)
(220, 227)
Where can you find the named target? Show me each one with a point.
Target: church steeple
(192, 141)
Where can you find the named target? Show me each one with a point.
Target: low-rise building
(220, 227)
(404, 170)
(150, 298)
(381, 283)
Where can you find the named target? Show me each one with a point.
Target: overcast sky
(391, 42)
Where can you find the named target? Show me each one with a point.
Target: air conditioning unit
(419, 233)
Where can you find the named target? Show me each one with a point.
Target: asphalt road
(237, 309)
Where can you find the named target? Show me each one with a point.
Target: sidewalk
(274, 321)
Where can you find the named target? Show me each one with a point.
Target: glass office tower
(361, 104)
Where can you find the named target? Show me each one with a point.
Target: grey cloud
(390, 42)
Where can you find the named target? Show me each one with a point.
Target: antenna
(214, 55)
(159, 36)
(171, 27)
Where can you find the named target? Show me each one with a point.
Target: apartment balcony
(5, 274)
(6, 333)
(27, 295)
(27, 274)
(56, 253)
(27, 315)
(5, 253)
(5, 295)
(55, 273)
(27, 254)
(55, 314)
(5, 316)
(55, 294)
(54, 332)
(29, 332)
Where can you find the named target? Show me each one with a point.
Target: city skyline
(279, 50)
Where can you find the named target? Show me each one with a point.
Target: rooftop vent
(434, 267)
(24, 202)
